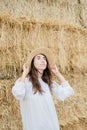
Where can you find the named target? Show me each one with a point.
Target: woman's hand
(25, 72)
(25, 69)
(55, 70)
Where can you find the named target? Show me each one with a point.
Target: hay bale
(9, 107)
(65, 11)
(20, 36)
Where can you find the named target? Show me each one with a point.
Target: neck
(40, 73)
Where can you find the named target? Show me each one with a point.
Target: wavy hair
(46, 77)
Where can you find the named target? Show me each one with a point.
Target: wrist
(60, 77)
(22, 78)
(24, 74)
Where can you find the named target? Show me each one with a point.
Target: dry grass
(19, 37)
(61, 10)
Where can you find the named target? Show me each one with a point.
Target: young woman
(34, 89)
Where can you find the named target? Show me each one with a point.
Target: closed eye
(44, 58)
(39, 57)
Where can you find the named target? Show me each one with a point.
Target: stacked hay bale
(20, 35)
(64, 11)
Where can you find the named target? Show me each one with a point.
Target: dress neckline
(40, 79)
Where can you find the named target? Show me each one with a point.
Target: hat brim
(47, 52)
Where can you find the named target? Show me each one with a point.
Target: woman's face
(40, 62)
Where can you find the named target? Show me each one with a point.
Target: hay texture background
(58, 25)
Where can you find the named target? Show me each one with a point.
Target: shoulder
(27, 80)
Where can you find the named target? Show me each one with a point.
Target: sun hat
(42, 50)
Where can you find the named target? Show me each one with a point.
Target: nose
(42, 61)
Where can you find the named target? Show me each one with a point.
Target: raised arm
(18, 89)
(63, 90)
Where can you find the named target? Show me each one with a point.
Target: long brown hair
(46, 77)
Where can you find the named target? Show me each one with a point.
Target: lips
(42, 64)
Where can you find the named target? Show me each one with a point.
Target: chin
(42, 68)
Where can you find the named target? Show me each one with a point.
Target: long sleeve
(18, 89)
(62, 91)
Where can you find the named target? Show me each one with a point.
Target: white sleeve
(18, 89)
(62, 91)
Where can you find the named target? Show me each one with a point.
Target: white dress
(38, 111)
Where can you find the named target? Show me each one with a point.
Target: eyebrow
(40, 55)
